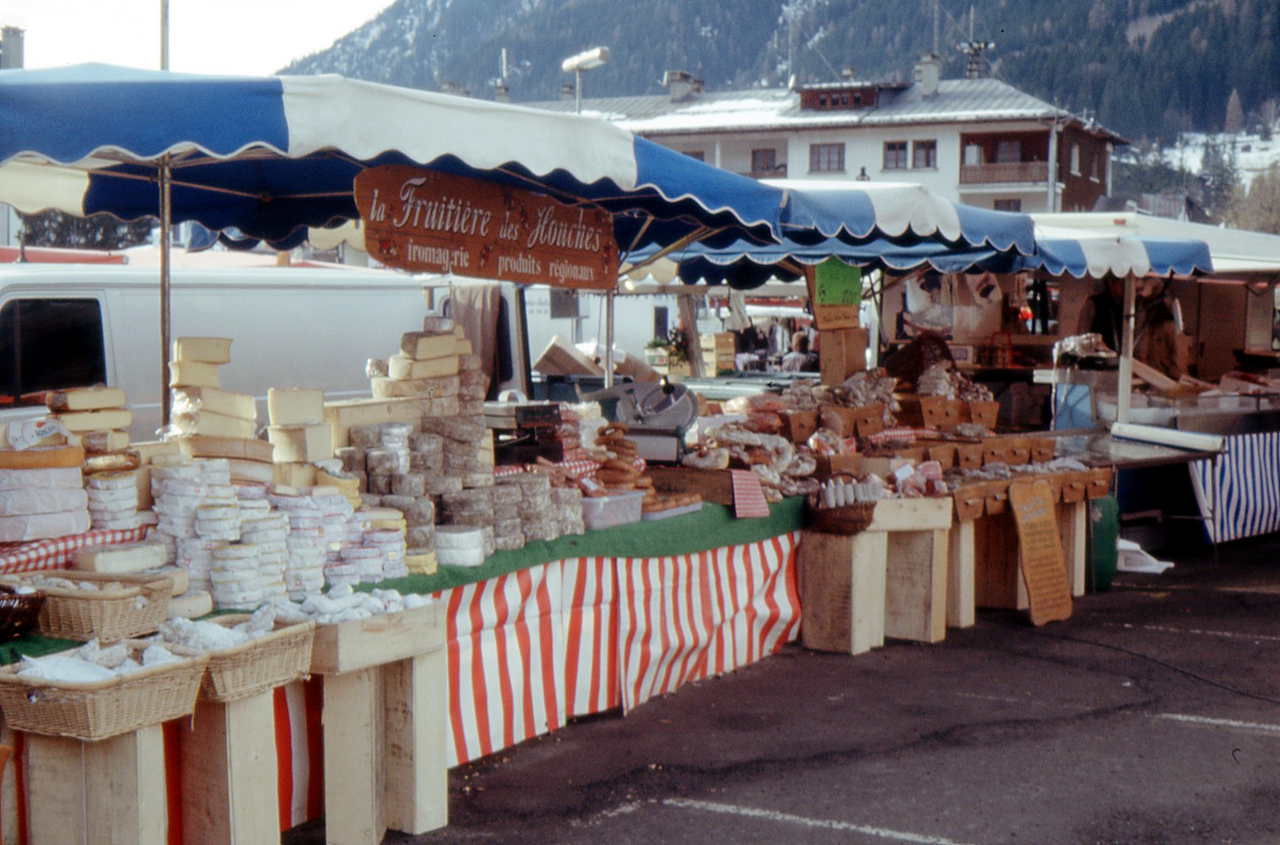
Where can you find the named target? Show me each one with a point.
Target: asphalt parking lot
(1151, 716)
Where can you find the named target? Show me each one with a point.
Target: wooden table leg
(961, 575)
(868, 582)
(1073, 524)
(229, 773)
(842, 588)
(110, 792)
(416, 790)
(353, 774)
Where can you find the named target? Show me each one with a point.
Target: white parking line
(1165, 629)
(1261, 727)
(826, 824)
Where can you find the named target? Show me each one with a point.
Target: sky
(254, 37)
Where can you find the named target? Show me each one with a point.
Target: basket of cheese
(245, 662)
(95, 692)
(88, 605)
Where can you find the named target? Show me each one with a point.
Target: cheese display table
(569, 627)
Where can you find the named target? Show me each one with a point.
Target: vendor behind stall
(800, 359)
(1155, 329)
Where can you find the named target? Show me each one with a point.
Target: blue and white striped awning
(271, 156)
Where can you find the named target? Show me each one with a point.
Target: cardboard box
(841, 353)
(797, 426)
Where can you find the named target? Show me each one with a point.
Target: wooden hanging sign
(1044, 569)
(431, 222)
(835, 294)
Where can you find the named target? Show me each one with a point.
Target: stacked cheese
(211, 422)
(298, 429)
(508, 527)
(426, 365)
(468, 448)
(40, 502)
(113, 500)
(97, 414)
(460, 545)
(472, 507)
(538, 514)
(568, 505)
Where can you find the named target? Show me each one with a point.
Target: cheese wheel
(460, 556)
(458, 537)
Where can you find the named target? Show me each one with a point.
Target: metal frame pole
(1124, 387)
(166, 329)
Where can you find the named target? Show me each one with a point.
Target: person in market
(799, 359)
(1155, 328)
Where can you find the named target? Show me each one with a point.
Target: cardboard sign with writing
(1044, 570)
(431, 222)
(835, 292)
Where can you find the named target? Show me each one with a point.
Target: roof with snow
(756, 109)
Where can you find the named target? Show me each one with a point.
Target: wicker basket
(18, 612)
(845, 519)
(259, 665)
(104, 709)
(109, 615)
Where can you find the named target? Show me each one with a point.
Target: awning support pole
(166, 329)
(1124, 387)
(608, 338)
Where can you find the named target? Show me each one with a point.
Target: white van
(73, 325)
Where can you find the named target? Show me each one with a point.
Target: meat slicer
(657, 415)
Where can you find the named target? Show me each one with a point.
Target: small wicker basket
(137, 607)
(100, 710)
(277, 658)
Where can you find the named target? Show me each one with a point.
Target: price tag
(835, 291)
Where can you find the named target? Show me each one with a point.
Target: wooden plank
(916, 586)
(867, 588)
(961, 575)
(352, 720)
(1073, 523)
(911, 514)
(1040, 551)
(995, 562)
(229, 773)
(415, 796)
(362, 643)
(343, 414)
(110, 792)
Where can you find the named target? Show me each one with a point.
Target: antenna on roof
(937, 25)
(976, 65)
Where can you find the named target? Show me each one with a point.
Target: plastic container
(607, 511)
(670, 512)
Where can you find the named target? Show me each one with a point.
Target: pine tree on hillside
(98, 231)
(1234, 122)
(1259, 208)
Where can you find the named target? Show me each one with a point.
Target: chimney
(681, 85)
(566, 91)
(927, 73)
(10, 48)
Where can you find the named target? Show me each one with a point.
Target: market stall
(271, 157)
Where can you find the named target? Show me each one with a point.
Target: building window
(826, 158)
(763, 161)
(924, 155)
(1008, 205)
(1095, 168)
(1075, 159)
(1008, 151)
(698, 154)
(895, 155)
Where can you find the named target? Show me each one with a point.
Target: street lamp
(586, 60)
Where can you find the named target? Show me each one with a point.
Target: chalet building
(979, 141)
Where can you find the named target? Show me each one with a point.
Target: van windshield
(49, 344)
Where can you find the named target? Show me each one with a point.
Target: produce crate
(103, 709)
(260, 664)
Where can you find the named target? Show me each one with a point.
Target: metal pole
(164, 34)
(166, 331)
(577, 90)
(608, 339)
(1125, 376)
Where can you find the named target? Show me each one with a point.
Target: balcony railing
(776, 172)
(1014, 171)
